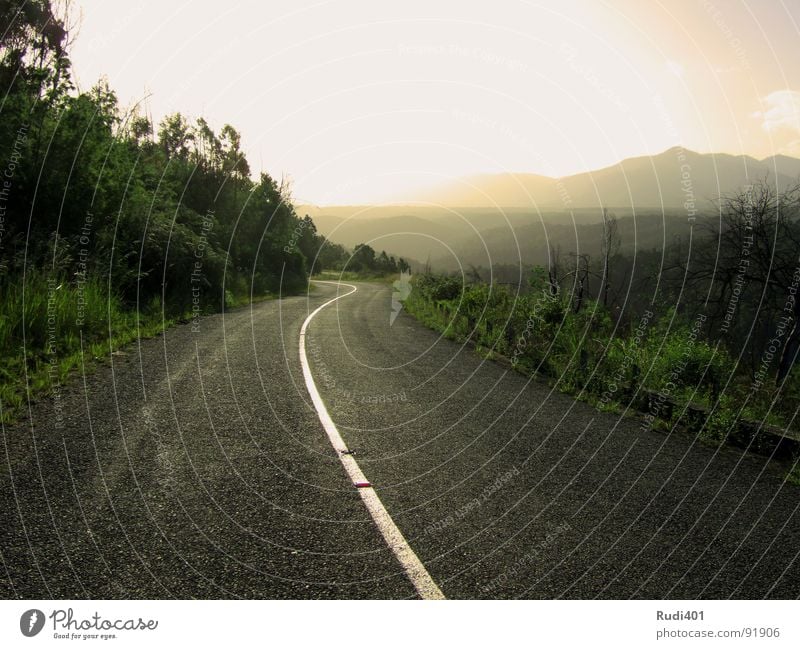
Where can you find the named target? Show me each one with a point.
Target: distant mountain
(785, 165)
(353, 230)
(511, 218)
(494, 190)
(414, 232)
(669, 180)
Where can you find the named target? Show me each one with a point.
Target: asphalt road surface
(194, 465)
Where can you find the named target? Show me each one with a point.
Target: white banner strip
(401, 624)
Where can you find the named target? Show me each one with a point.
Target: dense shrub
(585, 353)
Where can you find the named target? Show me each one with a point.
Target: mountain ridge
(665, 180)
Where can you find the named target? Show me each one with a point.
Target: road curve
(195, 465)
(192, 466)
(416, 572)
(506, 489)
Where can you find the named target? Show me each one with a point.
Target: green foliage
(438, 288)
(50, 326)
(721, 422)
(102, 223)
(89, 180)
(363, 261)
(95, 209)
(584, 354)
(675, 356)
(38, 311)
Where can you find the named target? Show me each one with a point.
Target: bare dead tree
(554, 271)
(581, 281)
(609, 247)
(748, 267)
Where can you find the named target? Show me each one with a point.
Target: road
(195, 465)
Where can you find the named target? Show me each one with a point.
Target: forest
(112, 227)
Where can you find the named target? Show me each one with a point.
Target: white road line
(394, 538)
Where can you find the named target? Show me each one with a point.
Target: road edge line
(415, 570)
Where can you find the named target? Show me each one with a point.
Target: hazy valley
(517, 219)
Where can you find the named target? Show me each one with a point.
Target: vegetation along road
(196, 465)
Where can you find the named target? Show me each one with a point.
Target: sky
(360, 101)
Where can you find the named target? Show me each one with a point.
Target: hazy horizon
(405, 98)
(435, 194)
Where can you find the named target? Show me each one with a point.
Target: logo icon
(31, 622)
(402, 289)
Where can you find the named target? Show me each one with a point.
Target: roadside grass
(582, 355)
(51, 329)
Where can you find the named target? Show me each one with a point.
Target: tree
(581, 285)
(554, 270)
(176, 137)
(33, 43)
(309, 242)
(235, 163)
(747, 269)
(609, 248)
(151, 207)
(363, 258)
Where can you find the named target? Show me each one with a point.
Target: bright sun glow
(359, 101)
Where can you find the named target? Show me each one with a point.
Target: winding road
(199, 464)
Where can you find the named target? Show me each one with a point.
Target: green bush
(41, 312)
(584, 354)
(721, 421)
(678, 360)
